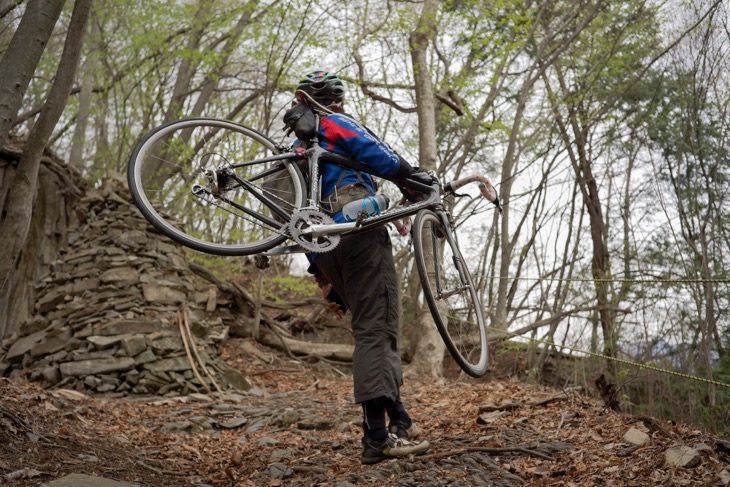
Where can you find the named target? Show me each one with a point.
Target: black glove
(414, 195)
(301, 120)
(422, 177)
(335, 298)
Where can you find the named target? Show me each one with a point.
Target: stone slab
(82, 480)
(177, 364)
(119, 274)
(154, 293)
(23, 345)
(128, 327)
(98, 366)
(101, 342)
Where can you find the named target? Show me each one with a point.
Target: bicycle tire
(168, 163)
(450, 293)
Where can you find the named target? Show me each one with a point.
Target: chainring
(304, 219)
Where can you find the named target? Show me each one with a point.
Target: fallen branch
(261, 372)
(333, 351)
(517, 449)
(286, 342)
(161, 471)
(512, 405)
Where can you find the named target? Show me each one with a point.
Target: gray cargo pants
(362, 271)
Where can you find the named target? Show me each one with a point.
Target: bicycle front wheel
(197, 181)
(449, 292)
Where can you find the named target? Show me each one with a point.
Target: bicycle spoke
(237, 209)
(450, 293)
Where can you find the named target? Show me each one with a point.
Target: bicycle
(223, 188)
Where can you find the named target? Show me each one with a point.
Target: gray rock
(286, 418)
(725, 477)
(145, 357)
(51, 300)
(281, 453)
(176, 364)
(82, 480)
(85, 285)
(51, 345)
(104, 342)
(134, 345)
(266, 441)
(177, 426)
(234, 423)
(51, 375)
(682, 456)
(200, 397)
(234, 379)
(119, 274)
(23, 345)
(154, 293)
(257, 425)
(132, 238)
(98, 366)
(128, 327)
(280, 471)
(637, 437)
(33, 324)
(167, 344)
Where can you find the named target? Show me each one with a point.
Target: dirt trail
(299, 426)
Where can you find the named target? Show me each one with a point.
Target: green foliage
(280, 288)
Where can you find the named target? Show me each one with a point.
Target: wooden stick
(197, 355)
(187, 352)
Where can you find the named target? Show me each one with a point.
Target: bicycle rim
(450, 293)
(240, 215)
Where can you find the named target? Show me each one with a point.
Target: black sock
(397, 412)
(374, 423)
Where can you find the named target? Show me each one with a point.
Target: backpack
(301, 120)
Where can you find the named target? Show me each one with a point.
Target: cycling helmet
(323, 87)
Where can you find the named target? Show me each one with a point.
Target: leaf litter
(301, 427)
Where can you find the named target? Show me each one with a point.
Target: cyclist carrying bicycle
(359, 274)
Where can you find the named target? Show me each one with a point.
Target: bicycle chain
(211, 199)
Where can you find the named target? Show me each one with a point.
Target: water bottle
(370, 205)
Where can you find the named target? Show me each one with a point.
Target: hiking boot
(401, 431)
(391, 447)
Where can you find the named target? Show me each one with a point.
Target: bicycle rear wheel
(449, 292)
(182, 177)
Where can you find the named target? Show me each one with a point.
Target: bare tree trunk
(211, 81)
(21, 59)
(82, 119)
(14, 227)
(430, 348)
(7, 6)
(188, 65)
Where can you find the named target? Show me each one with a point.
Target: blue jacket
(345, 136)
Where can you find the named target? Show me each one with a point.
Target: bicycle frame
(315, 155)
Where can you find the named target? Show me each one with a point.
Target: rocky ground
(298, 426)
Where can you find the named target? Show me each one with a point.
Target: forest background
(604, 126)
